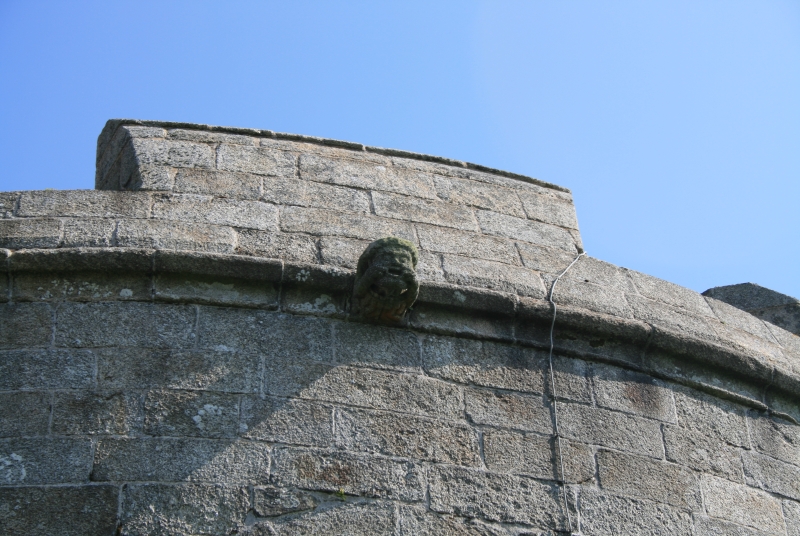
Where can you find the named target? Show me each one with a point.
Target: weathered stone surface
(180, 154)
(191, 414)
(493, 275)
(293, 191)
(791, 513)
(88, 232)
(590, 296)
(88, 325)
(215, 370)
(416, 521)
(8, 204)
(571, 379)
(25, 325)
(201, 136)
(736, 318)
(312, 301)
(85, 286)
(175, 460)
(670, 293)
(396, 434)
(24, 413)
(321, 222)
(540, 234)
(545, 259)
(287, 246)
(707, 526)
(219, 211)
(182, 510)
(703, 451)
(481, 195)
(536, 456)
(96, 412)
(366, 175)
(42, 369)
(455, 321)
(771, 475)
(679, 320)
(522, 412)
(742, 504)
(504, 498)
(67, 511)
(610, 429)
(484, 363)
(775, 437)
(424, 211)
(548, 209)
(214, 290)
(715, 417)
(28, 462)
(364, 519)
(259, 160)
(374, 346)
(343, 252)
(218, 183)
(429, 267)
(30, 233)
(632, 392)
(609, 515)
(84, 204)
(270, 501)
(284, 420)
(163, 234)
(368, 476)
(407, 393)
(467, 244)
(645, 478)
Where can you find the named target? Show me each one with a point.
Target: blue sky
(676, 123)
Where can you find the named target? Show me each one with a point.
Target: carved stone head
(386, 280)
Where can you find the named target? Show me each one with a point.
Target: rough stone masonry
(178, 356)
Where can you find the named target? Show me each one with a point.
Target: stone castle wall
(180, 359)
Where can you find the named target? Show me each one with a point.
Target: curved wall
(180, 359)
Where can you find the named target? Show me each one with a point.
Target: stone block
(67, 511)
(356, 519)
(274, 245)
(533, 232)
(30, 462)
(472, 493)
(589, 296)
(707, 526)
(791, 513)
(81, 286)
(8, 204)
(312, 301)
(683, 321)
(90, 325)
(395, 434)
(775, 437)
(191, 414)
(716, 417)
(521, 412)
(455, 321)
(609, 515)
(321, 222)
(96, 412)
(632, 392)
(670, 293)
(217, 265)
(536, 456)
(205, 136)
(294, 376)
(215, 290)
(545, 259)
(366, 175)
(25, 325)
(331, 471)
(180, 154)
(610, 429)
(572, 379)
(84, 204)
(213, 370)
(270, 501)
(738, 319)
(376, 389)
(429, 268)
(218, 183)
(699, 450)
(344, 252)
(281, 420)
(177, 459)
(163, 234)
(455, 242)
(219, 211)
(90, 233)
(182, 510)
(281, 338)
(417, 521)
(484, 363)
(375, 346)
(30, 233)
(645, 478)
(548, 209)
(258, 160)
(24, 413)
(493, 275)
(400, 207)
(43, 369)
(293, 191)
(771, 475)
(478, 194)
(742, 504)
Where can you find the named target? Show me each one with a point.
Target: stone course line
(555, 394)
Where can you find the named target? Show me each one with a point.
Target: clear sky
(675, 123)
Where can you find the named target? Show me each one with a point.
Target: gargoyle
(386, 280)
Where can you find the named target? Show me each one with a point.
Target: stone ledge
(479, 312)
